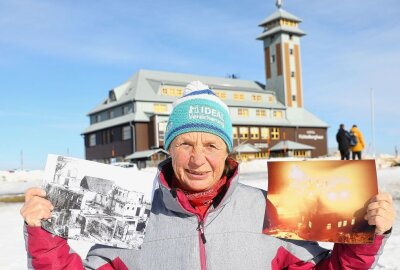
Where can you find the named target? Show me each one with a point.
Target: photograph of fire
(320, 200)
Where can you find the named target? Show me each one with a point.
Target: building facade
(134, 115)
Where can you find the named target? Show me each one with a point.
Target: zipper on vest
(200, 228)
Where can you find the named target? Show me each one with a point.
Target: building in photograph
(134, 115)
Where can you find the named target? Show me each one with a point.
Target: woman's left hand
(381, 212)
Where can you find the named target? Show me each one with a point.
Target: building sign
(261, 145)
(311, 135)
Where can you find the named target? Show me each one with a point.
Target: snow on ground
(254, 173)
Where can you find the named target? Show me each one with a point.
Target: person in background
(357, 149)
(201, 216)
(343, 140)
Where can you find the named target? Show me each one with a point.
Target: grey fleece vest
(233, 232)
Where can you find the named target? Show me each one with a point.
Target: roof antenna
(278, 4)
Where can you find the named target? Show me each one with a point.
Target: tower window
(293, 97)
(291, 51)
(292, 74)
(273, 58)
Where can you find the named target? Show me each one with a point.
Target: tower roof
(280, 14)
(280, 21)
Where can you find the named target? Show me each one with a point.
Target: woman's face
(198, 159)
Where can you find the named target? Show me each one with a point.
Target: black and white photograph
(96, 202)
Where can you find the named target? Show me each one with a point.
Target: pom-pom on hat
(199, 110)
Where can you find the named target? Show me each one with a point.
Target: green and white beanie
(199, 110)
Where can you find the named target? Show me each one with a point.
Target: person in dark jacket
(343, 139)
(201, 216)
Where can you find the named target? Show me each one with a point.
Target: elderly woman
(201, 217)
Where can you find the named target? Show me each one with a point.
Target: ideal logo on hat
(206, 113)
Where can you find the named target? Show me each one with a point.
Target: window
(111, 96)
(273, 58)
(275, 134)
(254, 133)
(162, 126)
(264, 133)
(256, 98)
(93, 119)
(261, 113)
(299, 153)
(221, 94)
(339, 224)
(292, 74)
(107, 136)
(234, 132)
(110, 114)
(243, 133)
(291, 51)
(344, 223)
(238, 96)
(98, 117)
(126, 110)
(92, 139)
(243, 112)
(328, 226)
(126, 133)
(277, 114)
(171, 91)
(160, 108)
(270, 99)
(294, 97)
(179, 92)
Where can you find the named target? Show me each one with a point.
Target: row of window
(256, 133)
(340, 224)
(244, 133)
(111, 113)
(243, 112)
(238, 96)
(280, 22)
(109, 135)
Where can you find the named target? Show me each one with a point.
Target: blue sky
(58, 59)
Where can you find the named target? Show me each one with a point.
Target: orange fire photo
(320, 200)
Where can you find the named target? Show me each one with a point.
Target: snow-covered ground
(12, 250)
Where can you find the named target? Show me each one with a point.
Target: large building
(268, 119)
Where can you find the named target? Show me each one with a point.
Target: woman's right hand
(36, 207)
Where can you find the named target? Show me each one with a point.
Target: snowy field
(12, 250)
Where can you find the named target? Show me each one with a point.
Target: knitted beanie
(199, 110)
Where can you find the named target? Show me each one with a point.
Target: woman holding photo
(202, 217)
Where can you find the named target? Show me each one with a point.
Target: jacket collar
(176, 201)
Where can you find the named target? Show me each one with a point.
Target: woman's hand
(381, 212)
(36, 208)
